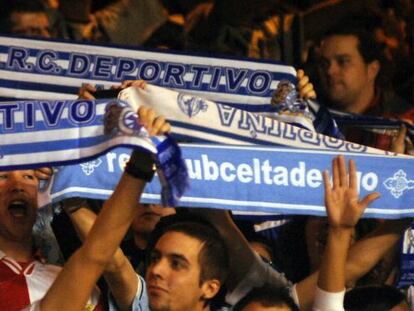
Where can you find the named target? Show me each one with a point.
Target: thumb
(368, 199)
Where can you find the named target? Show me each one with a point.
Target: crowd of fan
(202, 259)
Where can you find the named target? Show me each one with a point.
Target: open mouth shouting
(18, 208)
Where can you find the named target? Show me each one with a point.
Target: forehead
(338, 45)
(177, 243)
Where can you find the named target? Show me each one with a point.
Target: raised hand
(155, 125)
(304, 86)
(138, 83)
(86, 92)
(343, 206)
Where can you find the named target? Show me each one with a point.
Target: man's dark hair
(268, 296)
(17, 6)
(373, 298)
(362, 27)
(213, 257)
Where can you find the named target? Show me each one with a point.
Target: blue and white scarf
(48, 69)
(39, 133)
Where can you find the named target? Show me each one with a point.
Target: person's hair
(370, 298)
(213, 257)
(17, 6)
(362, 27)
(268, 296)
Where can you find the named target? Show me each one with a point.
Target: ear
(373, 70)
(210, 288)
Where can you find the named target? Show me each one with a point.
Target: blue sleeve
(140, 302)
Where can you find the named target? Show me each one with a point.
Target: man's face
(30, 24)
(18, 204)
(347, 80)
(148, 215)
(173, 275)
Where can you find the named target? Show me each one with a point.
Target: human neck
(18, 250)
(362, 103)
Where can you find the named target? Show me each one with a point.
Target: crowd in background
(361, 61)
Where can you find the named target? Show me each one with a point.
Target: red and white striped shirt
(22, 284)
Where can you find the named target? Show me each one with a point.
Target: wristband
(141, 165)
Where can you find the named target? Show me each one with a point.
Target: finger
(308, 92)
(140, 84)
(157, 125)
(335, 173)
(300, 73)
(116, 87)
(342, 171)
(44, 173)
(353, 182)
(303, 82)
(142, 115)
(368, 199)
(148, 120)
(85, 92)
(326, 182)
(398, 142)
(166, 128)
(86, 95)
(126, 83)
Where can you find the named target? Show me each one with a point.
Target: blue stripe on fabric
(219, 134)
(24, 85)
(64, 144)
(70, 162)
(37, 86)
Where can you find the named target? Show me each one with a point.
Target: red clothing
(23, 284)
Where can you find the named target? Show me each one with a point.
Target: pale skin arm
(74, 284)
(343, 209)
(377, 244)
(119, 273)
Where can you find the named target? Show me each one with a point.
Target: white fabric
(328, 301)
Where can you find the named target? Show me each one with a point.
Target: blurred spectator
(25, 17)
(123, 22)
(243, 28)
(375, 298)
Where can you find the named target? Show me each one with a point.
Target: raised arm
(74, 284)
(247, 269)
(119, 273)
(343, 209)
